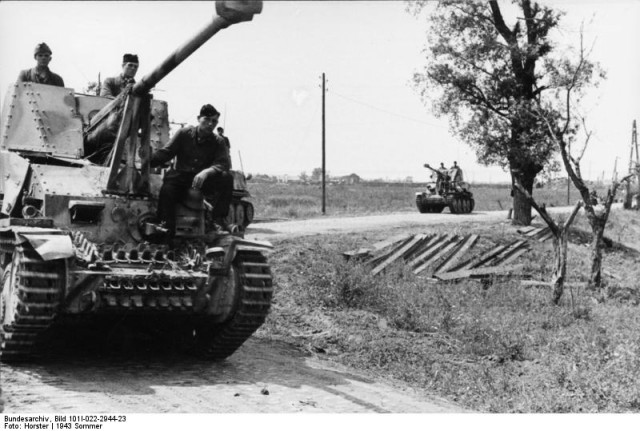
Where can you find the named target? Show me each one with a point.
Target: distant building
(348, 179)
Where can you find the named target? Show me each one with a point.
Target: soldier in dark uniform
(227, 143)
(220, 131)
(202, 163)
(114, 85)
(41, 74)
(456, 173)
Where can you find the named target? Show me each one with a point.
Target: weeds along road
(261, 377)
(332, 225)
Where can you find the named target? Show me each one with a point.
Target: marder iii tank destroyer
(447, 191)
(79, 241)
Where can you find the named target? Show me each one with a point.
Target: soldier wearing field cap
(114, 85)
(41, 74)
(202, 163)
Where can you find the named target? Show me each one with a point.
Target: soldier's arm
(222, 160)
(167, 152)
(23, 76)
(58, 81)
(105, 89)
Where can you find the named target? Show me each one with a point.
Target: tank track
(256, 283)
(425, 207)
(462, 205)
(39, 286)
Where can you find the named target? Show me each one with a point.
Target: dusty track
(261, 377)
(332, 225)
(68, 381)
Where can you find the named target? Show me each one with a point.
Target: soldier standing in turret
(41, 74)
(456, 173)
(114, 85)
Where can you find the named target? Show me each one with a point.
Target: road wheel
(248, 213)
(240, 216)
(231, 216)
(453, 206)
(245, 308)
(468, 205)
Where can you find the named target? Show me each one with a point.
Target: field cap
(130, 58)
(42, 48)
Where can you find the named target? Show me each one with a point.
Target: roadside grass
(505, 348)
(298, 201)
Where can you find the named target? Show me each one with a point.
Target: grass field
(505, 348)
(295, 201)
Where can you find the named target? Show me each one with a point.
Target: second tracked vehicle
(447, 191)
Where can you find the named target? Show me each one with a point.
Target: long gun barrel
(104, 125)
(440, 174)
(228, 13)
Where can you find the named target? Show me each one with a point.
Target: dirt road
(260, 377)
(328, 225)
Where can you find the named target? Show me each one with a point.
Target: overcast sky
(264, 76)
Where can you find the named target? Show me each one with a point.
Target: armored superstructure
(79, 239)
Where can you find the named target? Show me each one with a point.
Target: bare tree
(561, 131)
(560, 238)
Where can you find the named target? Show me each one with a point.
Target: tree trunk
(597, 229)
(521, 205)
(560, 269)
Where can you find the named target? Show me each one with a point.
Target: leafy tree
(91, 88)
(303, 177)
(487, 75)
(316, 175)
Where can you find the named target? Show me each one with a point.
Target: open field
(504, 348)
(293, 201)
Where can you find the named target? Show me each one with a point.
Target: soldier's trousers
(176, 185)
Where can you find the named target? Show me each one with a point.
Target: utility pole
(324, 190)
(634, 168)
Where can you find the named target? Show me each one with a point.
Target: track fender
(233, 245)
(50, 244)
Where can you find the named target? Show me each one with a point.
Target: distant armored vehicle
(241, 211)
(447, 191)
(79, 238)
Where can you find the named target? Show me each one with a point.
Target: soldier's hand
(199, 179)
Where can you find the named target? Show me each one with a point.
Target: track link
(256, 284)
(37, 287)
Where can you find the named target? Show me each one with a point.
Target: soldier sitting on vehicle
(202, 163)
(41, 74)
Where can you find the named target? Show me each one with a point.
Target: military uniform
(193, 154)
(114, 85)
(48, 77)
(44, 75)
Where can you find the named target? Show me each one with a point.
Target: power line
(385, 110)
